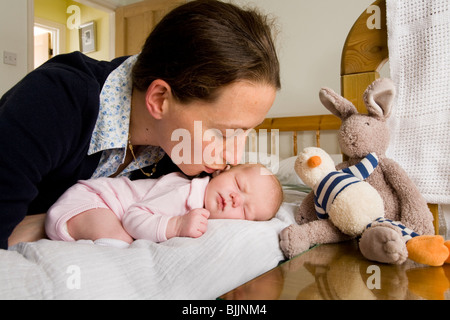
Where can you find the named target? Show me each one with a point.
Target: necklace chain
(130, 146)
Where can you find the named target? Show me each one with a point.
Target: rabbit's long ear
(379, 98)
(338, 105)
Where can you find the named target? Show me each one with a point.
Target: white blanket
(229, 254)
(419, 55)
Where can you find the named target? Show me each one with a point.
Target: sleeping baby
(171, 206)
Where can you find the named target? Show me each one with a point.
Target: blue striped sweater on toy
(333, 183)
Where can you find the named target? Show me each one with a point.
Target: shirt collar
(112, 126)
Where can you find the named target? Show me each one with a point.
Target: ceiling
(107, 4)
(119, 3)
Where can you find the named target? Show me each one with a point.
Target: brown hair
(204, 45)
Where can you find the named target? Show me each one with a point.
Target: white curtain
(419, 55)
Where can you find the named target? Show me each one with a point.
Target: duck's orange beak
(314, 162)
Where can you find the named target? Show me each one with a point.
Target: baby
(171, 206)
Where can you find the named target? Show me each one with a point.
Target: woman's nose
(234, 149)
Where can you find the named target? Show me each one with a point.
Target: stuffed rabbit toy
(382, 241)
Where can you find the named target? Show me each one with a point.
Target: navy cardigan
(46, 123)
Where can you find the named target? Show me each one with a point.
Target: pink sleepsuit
(144, 206)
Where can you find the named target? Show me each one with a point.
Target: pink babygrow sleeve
(141, 223)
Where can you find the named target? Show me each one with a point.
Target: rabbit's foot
(382, 243)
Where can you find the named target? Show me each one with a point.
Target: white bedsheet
(229, 254)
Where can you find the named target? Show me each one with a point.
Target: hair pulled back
(204, 45)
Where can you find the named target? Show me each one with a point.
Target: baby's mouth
(221, 202)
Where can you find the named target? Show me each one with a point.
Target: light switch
(10, 58)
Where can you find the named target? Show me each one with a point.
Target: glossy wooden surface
(340, 272)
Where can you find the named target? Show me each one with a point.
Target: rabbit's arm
(306, 211)
(414, 211)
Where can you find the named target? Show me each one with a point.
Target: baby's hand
(193, 224)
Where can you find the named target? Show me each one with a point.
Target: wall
(310, 38)
(310, 41)
(13, 38)
(55, 10)
(102, 20)
(52, 10)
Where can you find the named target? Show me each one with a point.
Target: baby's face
(243, 192)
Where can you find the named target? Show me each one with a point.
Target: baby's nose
(236, 200)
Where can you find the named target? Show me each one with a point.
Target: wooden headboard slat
(364, 54)
(301, 123)
(366, 50)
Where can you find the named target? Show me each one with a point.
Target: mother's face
(205, 136)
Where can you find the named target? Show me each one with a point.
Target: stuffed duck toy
(341, 196)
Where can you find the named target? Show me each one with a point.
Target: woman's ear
(157, 94)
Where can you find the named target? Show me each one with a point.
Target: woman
(207, 73)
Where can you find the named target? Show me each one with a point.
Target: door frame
(30, 35)
(58, 30)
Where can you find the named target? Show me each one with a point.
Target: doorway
(49, 40)
(43, 45)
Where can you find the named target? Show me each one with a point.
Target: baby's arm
(141, 223)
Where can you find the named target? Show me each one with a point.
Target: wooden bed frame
(298, 124)
(364, 53)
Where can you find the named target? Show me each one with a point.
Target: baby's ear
(379, 98)
(336, 104)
